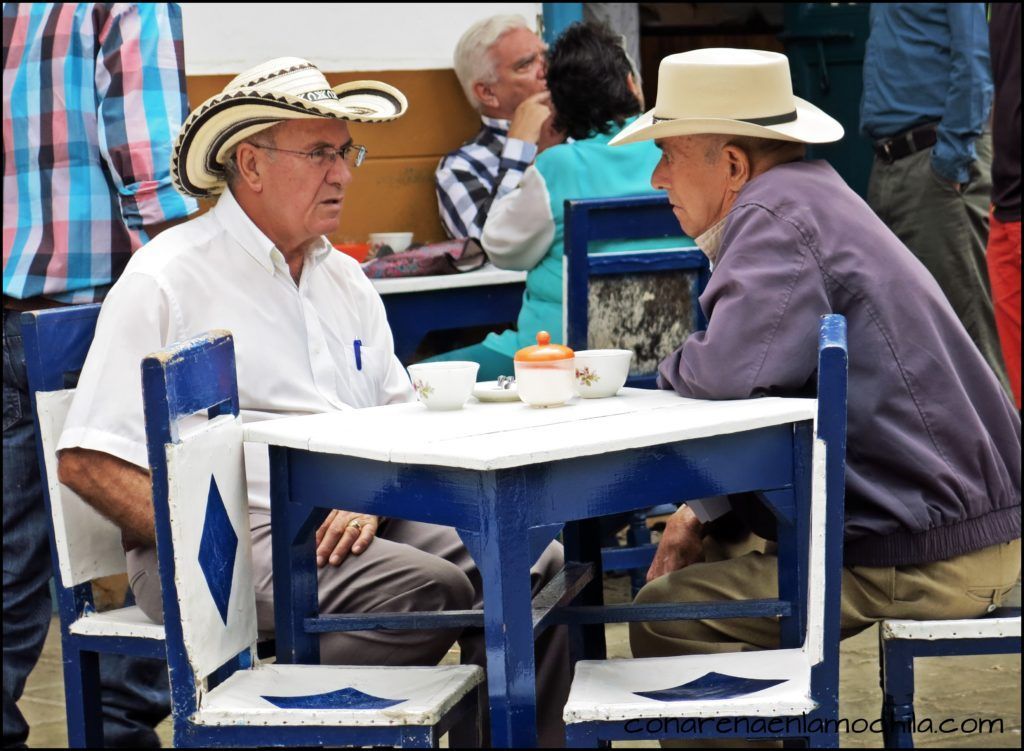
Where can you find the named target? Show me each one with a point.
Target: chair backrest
(85, 544)
(825, 556)
(640, 300)
(201, 510)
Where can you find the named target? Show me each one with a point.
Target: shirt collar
(252, 239)
(497, 124)
(710, 240)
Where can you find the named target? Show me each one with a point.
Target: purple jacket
(933, 442)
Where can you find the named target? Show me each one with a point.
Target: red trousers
(1003, 255)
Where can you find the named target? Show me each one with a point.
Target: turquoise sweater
(589, 168)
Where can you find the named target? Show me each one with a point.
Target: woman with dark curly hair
(595, 93)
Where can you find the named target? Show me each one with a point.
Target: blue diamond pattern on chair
(344, 698)
(217, 549)
(711, 686)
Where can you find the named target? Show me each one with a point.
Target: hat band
(392, 100)
(772, 120)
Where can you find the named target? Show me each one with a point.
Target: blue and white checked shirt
(469, 179)
(94, 95)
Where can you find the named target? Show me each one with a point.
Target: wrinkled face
(695, 174)
(305, 199)
(520, 67)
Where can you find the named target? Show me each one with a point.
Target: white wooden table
(497, 471)
(417, 305)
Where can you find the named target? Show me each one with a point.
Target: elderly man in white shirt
(310, 335)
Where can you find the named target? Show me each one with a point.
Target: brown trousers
(963, 587)
(409, 566)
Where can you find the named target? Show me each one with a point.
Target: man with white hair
(933, 480)
(311, 336)
(500, 63)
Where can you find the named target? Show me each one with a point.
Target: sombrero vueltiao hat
(286, 88)
(730, 92)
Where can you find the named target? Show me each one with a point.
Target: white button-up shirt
(295, 345)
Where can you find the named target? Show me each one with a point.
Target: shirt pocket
(359, 382)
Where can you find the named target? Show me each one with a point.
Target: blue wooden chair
(654, 326)
(222, 695)
(84, 545)
(608, 303)
(900, 641)
(789, 692)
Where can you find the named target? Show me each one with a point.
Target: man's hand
(680, 544)
(341, 533)
(529, 118)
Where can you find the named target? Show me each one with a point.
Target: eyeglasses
(353, 154)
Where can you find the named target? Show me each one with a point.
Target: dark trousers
(947, 230)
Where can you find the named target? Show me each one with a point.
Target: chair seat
(130, 622)
(773, 683)
(271, 694)
(967, 628)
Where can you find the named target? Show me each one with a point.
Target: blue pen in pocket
(356, 346)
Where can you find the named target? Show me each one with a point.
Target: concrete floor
(963, 689)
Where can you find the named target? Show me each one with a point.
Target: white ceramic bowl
(444, 385)
(545, 384)
(397, 241)
(601, 372)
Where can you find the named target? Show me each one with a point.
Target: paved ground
(963, 689)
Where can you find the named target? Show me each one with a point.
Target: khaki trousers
(963, 587)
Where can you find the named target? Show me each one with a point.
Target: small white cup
(397, 241)
(444, 385)
(601, 372)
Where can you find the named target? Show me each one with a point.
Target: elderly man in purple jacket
(933, 462)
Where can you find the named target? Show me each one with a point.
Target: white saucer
(489, 391)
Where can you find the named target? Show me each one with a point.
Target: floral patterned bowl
(444, 385)
(601, 372)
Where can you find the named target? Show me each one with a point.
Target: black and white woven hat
(286, 88)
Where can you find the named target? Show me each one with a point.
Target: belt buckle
(887, 152)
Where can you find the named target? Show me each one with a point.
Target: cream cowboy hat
(732, 92)
(286, 88)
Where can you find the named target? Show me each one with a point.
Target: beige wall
(394, 189)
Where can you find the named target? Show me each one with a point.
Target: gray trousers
(948, 232)
(409, 566)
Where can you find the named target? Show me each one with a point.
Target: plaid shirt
(94, 95)
(469, 179)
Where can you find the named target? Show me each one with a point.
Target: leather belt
(907, 143)
(31, 303)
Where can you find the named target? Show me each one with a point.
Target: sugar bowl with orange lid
(545, 373)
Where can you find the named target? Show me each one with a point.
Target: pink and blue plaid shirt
(94, 96)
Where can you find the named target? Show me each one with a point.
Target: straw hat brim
(223, 120)
(811, 125)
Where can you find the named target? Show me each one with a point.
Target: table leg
(294, 563)
(508, 622)
(583, 544)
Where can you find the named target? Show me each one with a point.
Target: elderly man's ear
(485, 94)
(739, 166)
(248, 167)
